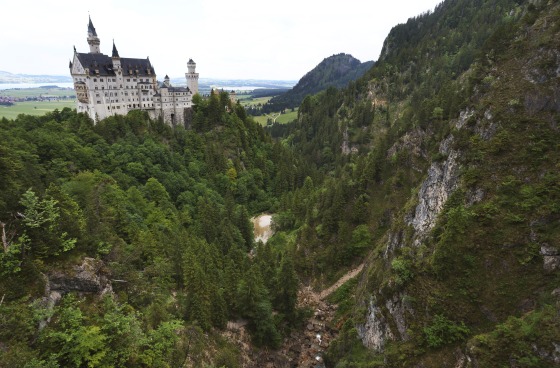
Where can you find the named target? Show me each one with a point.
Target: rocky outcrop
(442, 180)
(375, 332)
(410, 142)
(396, 309)
(87, 277)
(551, 258)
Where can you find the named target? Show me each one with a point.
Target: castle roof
(91, 28)
(115, 52)
(103, 63)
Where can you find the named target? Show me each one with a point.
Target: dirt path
(349, 275)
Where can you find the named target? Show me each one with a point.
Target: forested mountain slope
(126, 244)
(441, 170)
(334, 71)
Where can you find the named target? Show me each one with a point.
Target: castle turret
(92, 39)
(116, 59)
(166, 82)
(192, 76)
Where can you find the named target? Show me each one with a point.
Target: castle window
(101, 79)
(128, 79)
(98, 102)
(95, 79)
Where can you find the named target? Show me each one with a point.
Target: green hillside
(434, 177)
(441, 172)
(127, 243)
(334, 71)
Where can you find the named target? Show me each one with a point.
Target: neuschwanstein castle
(115, 85)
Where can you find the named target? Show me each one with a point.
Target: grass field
(282, 119)
(248, 101)
(34, 108)
(36, 92)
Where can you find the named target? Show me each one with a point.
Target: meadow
(282, 119)
(37, 92)
(34, 108)
(66, 99)
(248, 101)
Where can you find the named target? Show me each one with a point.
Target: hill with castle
(415, 212)
(111, 85)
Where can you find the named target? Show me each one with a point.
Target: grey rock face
(442, 180)
(85, 278)
(551, 258)
(375, 331)
(396, 310)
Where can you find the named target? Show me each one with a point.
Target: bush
(443, 331)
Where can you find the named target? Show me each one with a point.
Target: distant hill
(336, 70)
(7, 77)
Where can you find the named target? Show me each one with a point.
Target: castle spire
(92, 39)
(91, 28)
(115, 52)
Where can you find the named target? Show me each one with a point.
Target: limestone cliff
(473, 255)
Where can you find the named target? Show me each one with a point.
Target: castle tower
(116, 59)
(192, 77)
(92, 39)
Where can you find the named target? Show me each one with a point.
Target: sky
(241, 39)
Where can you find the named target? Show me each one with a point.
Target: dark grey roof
(104, 64)
(91, 28)
(178, 89)
(115, 52)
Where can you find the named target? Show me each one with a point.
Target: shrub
(442, 331)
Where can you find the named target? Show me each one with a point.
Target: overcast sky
(239, 39)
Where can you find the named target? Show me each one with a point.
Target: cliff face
(479, 236)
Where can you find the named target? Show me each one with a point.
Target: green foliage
(442, 331)
(402, 269)
(528, 340)
(167, 210)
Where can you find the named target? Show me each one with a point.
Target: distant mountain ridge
(336, 71)
(7, 77)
